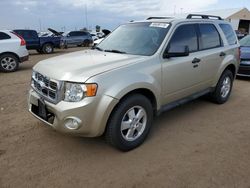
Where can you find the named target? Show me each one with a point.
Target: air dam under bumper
(91, 112)
(244, 70)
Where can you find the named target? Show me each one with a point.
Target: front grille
(46, 87)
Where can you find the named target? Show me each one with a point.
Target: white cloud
(143, 7)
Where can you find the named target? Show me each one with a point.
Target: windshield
(135, 38)
(245, 41)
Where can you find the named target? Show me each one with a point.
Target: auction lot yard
(199, 144)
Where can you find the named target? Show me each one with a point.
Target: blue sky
(70, 14)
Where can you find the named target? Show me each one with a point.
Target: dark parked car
(79, 38)
(41, 44)
(244, 69)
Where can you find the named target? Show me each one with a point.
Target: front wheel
(224, 87)
(130, 123)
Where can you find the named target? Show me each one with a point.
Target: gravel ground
(199, 144)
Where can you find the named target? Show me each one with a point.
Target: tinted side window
(185, 35)
(83, 33)
(229, 33)
(72, 34)
(4, 36)
(210, 37)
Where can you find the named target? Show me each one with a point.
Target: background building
(239, 18)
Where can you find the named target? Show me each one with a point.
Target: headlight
(75, 92)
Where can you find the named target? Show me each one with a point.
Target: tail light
(23, 42)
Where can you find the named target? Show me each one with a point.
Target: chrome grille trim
(47, 88)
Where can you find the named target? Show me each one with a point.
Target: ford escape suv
(139, 70)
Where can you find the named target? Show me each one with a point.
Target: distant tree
(84, 29)
(98, 28)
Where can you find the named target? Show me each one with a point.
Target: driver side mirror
(176, 51)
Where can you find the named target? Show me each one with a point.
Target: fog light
(72, 123)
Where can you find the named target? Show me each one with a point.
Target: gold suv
(141, 69)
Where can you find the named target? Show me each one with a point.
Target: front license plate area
(42, 111)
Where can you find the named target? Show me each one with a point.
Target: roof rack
(203, 16)
(159, 18)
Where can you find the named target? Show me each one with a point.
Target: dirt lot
(197, 145)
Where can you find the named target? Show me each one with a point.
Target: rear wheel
(130, 123)
(9, 63)
(86, 43)
(48, 48)
(224, 87)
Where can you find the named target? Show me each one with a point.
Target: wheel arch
(48, 43)
(145, 92)
(232, 68)
(12, 53)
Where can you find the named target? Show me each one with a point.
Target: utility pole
(181, 10)
(86, 16)
(40, 25)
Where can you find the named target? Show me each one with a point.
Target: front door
(182, 76)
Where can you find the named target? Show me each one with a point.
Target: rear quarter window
(210, 37)
(229, 33)
(4, 36)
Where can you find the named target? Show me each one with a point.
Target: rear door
(81, 36)
(211, 50)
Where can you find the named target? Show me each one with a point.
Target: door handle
(196, 60)
(222, 54)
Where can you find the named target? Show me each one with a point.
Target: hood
(55, 32)
(80, 66)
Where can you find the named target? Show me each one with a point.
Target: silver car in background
(77, 38)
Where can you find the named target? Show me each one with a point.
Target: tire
(39, 51)
(133, 131)
(223, 89)
(48, 48)
(85, 43)
(9, 63)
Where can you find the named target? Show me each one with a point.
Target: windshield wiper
(115, 51)
(97, 48)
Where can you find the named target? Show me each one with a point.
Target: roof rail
(159, 18)
(203, 16)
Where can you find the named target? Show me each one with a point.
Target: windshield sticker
(161, 25)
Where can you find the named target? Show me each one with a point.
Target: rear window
(210, 37)
(229, 33)
(4, 36)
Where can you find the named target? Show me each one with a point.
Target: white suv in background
(12, 51)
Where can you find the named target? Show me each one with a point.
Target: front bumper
(25, 58)
(244, 70)
(93, 113)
